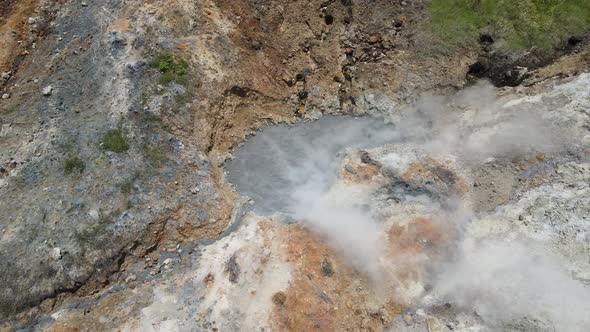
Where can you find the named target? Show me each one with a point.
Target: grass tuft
(155, 155)
(74, 164)
(171, 68)
(115, 141)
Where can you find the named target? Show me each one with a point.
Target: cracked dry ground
(146, 238)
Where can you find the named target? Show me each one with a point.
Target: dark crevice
(109, 268)
(485, 38)
(506, 69)
(329, 19)
(574, 41)
(246, 92)
(239, 91)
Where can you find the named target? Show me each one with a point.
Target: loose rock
(232, 268)
(56, 253)
(47, 90)
(327, 269)
(279, 298)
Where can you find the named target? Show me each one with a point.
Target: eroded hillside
(117, 119)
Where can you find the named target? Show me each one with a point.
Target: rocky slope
(117, 118)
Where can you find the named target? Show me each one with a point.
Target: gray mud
(269, 165)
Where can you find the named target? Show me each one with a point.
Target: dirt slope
(76, 213)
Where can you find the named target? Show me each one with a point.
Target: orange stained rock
(412, 247)
(361, 173)
(314, 301)
(416, 170)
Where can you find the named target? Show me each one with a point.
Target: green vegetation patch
(155, 155)
(115, 141)
(127, 185)
(96, 229)
(514, 24)
(171, 68)
(74, 164)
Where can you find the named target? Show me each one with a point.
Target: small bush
(74, 164)
(171, 68)
(95, 230)
(114, 141)
(12, 109)
(155, 155)
(127, 187)
(166, 78)
(149, 119)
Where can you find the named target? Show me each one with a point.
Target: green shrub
(166, 78)
(93, 231)
(74, 164)
(171, 68)
(114, 141)
(149, 120)
(127, 187)
(514, 25)
(155, 155)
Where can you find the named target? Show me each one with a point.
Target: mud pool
(269, 165)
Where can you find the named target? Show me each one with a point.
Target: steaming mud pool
(273, 163)
(440, 240)
(466, 213)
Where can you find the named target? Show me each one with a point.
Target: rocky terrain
(133, 196)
